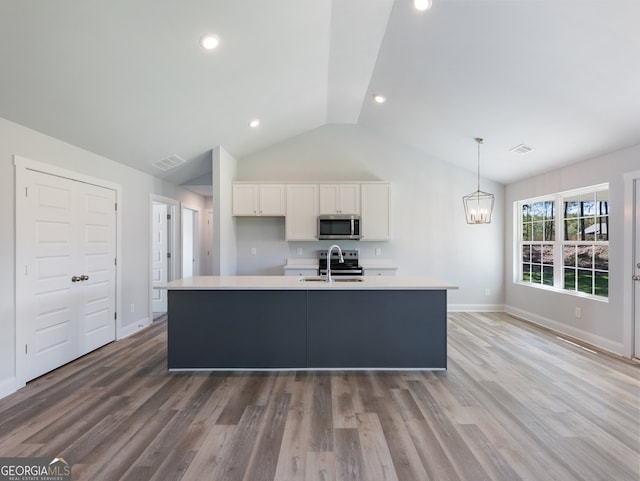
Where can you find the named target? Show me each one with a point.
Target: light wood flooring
(515, 404)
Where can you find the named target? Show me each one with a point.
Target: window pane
(588, 208)
(585, 281)
(526, 253)
(550, 209)
(602, 228)
(585, 256)
(602, 203)
(526, 272)
(538, 231)
(547, 254)
(571, 207)
(601, 258)
(536, 273)
(570, 279)
(526, 213)
(547, 275)
(537, 211)
(549, 230)
(526, 232)
(536, 254)
(569, 255)
(571, 229)
(601, 284)
(588, 228)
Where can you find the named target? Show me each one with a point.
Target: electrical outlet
(299, 251)
(253, 251)
(487, 292)
(133, 308)
(578, 312)
(378, 251)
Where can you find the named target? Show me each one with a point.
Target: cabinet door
(376, 212)
(339, 199)
(272, 200)
(245, 199)
(349, 198)
(301, 222)
(328, 199)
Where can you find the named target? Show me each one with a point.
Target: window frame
(558, 244)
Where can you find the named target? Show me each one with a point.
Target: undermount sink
(333, 279)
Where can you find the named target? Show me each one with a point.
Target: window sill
(558, 290)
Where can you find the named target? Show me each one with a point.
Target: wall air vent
(169, 163)
(521, 149)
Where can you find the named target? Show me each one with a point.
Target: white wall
(601, 323)
(135, 211)
(431, 236)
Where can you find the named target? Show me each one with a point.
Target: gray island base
(228, 327)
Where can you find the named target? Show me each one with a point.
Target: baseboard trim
(607, 345)
(126, 331)
(8, 386)
(475, 307)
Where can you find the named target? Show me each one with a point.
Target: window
(563, 241)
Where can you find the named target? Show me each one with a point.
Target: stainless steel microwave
(339, 227)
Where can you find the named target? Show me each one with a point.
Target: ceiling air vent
(521, 149)
(169, 163)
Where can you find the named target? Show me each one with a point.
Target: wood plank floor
(515, 404)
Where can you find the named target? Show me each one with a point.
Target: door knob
(75, 279)
(636, 278)
(84, 277)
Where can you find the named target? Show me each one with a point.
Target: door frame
(630, 229)
(196, 234)
(23, 164)
(173, 208)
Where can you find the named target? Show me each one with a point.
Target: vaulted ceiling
(128, 80)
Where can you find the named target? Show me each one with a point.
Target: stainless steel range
(350, 266)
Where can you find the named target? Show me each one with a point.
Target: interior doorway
(163, 242)
(190, 244)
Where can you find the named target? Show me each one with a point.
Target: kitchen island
(282, 322)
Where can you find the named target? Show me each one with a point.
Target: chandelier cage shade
(478, 206)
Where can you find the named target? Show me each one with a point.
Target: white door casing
(636, 268)
(65, 270)
(159, 253)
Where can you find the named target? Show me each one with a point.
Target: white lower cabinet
(379, 272)
(302, 272)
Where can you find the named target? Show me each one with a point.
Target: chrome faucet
(329, 260)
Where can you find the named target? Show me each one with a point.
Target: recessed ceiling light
(379, 98)
(254, 123)
(209, 41)
(422, 5)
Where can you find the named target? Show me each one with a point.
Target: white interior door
(159, 253)
(65, 271)
(95, 221)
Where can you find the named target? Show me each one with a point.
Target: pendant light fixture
(478, 206)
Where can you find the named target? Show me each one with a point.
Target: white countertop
(294, 283)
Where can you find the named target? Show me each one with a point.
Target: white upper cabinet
(376, 212)
(301, 223)
(259, 199)
(339, 198)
